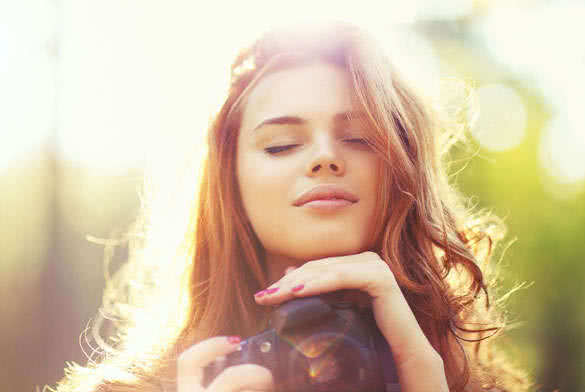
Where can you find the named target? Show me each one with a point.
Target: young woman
(325, 173)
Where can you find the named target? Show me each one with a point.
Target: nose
(326, 160)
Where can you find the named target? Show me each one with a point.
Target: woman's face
(303, 109)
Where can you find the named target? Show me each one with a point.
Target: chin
(321, 252)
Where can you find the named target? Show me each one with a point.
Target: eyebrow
(295, 120)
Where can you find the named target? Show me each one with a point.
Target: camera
(316, 345)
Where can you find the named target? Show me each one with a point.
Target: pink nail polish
(272, 290)
(234, 339)
(260, 293)
(298, 288)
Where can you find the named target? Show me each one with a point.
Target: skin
(323, 152)
(318, 252)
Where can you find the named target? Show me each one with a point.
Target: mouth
(328, 203)
(326, 195)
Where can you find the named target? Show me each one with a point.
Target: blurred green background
(92, 93)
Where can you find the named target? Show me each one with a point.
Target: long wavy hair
(195, 262)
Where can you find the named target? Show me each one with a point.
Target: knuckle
(313, 263)
(369, 255)
(243, 370)
(231, 372)
(210, 347)
(340, 275)
(188, 355)
(249, 376)
(382, 266)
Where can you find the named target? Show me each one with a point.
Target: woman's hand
(419, 366)
(240, 378)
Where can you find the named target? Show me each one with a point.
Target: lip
(326, 192)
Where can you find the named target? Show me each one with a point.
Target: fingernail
(272, 290)
(260, 293)
(234, 339)
(299, 287)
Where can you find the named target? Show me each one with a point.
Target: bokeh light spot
(502, 119)
(562, 150)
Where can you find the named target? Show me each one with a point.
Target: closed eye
(363, 141)
(359, 142)
(277, 149)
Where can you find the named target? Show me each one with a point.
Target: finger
(289, 269)
(191, 362)
(370, 277)
(241, 378)
(355, 262)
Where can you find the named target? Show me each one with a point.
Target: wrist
(422, 372)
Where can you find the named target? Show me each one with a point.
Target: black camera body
(317, 346)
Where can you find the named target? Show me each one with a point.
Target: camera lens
(333, 362)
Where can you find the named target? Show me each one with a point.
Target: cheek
(371, 168)
(371, 187)
(265, 204)
(255, 174)
(263, 186)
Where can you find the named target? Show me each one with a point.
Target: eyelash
(278, 149)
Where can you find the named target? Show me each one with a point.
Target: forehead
(309, 91)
